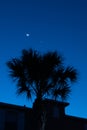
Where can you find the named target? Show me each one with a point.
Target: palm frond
(70, 73)
(62, 92)
(24, 90)
(15, 68)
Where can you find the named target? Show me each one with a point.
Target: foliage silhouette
(42, 75)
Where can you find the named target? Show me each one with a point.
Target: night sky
(59, 25)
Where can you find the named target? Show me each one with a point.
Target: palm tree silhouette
(42, 75)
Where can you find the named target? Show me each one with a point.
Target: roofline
(13, 106)
(64, 104)
(74, 117)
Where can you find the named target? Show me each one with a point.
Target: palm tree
(42, 75)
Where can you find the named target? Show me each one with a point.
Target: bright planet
(27, 34)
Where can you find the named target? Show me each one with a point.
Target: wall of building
(14, 117)
(11, 119)
(2, 119)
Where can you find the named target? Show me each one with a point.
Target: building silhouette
(14, 117)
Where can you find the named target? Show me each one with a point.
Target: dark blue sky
(52, 25)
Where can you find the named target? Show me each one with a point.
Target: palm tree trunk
(39, 115)
(43, 120)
